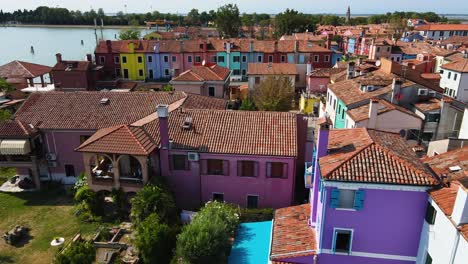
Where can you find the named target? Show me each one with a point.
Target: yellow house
(307, 103)
(132, 60)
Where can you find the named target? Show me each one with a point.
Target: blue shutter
(334, 198)
(359, 199)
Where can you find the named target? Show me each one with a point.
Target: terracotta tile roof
(83, 110)
(292, 236)
(457, 40)
(440, 164)
(455, 56)
(326, 72)
(140, 46)
(421, 48)
(22, 69)
(308, 46)
(15, 128)
(349, 91)
(429, 105)
(203, 74)
(232, 132)
(72, 66)
(458, 66)
(440, 27)
(272, 69)
(362, 112)
(195, 101)
(122, 139)
(431, 76)
(114, 46)
(371, 156)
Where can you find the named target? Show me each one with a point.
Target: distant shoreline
(71, 26)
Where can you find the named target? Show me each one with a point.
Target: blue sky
(263, 6)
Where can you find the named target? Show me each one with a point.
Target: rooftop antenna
(102, 26)
(95, 31)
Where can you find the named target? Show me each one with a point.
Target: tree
(274, 94)
(247, 104)
(193, 17)
(78, 252)
(154, 199)
(206, 239)
(5, 86)
(228, 20)
(154, 240)
(5, 115)
(129, 34)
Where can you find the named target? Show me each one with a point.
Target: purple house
(367, 202)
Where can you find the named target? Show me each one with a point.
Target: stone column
(35, 172)
(144, 168)
(115, 169)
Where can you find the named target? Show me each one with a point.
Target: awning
(14, 147)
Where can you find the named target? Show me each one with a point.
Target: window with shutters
(347, 199)
(197, 58)
(220, 58)
(244, 58)
(180, 162)
(247, 168)
(277, 170)
(140, 59)
(342, 240)
(166, 58)
(189, 59)
(431, 214)
(216, 167)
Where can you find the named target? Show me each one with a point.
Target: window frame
(186, 166)
(116, 59)
(259, 58)
(102, 59)
(197, 59)
(166, 58)
(335, 232)
(174, 58)
(327, 58)
(167, 72)
(218, 59)
(67, 170)
(217, 193)
(140, 59)
(269, 170)
(211, 88)
(236, 58)
(240, 168)
(150, 58)
(270, 58)
(316, 58)
(189, 59)
(141, 73)
(247, 201)
(432, 217)
(244, 58)
(124, 59)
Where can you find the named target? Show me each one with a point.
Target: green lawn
(5, 174)
(47, 213)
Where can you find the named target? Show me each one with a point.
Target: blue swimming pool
(252, 244)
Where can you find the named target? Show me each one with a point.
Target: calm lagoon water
(16, 42)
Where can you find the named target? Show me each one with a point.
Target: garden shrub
(76, 253)
(154, 199)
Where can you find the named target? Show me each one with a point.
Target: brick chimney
(89, 57)
(251, 46)
(109, 46)
(58, 56)
(163, 115)
(373, 111)
(329, 37)
(276, 46)
(296, 46)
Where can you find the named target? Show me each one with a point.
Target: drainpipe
(454, 249)
(322, 150)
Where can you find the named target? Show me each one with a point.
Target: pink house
(203, 80)
(233, 156)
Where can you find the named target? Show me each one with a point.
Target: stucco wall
(390, 223)
(394, 121)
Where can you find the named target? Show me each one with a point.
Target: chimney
(251, 47)
(109, 46)
(276, 46)
(58, 56)
(329, 37)
(373, 111)
(89, 57)
(350, 74)
(228, 46)
(156, 47)
(181, 47)
(205, 46)
(359, 61)
(396, 87)
(296, 46)
(460, 209)
(163, 113)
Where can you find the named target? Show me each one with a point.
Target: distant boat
(82, 42)
(32, 49)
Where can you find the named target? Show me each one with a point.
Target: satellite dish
(378, 63)
(203, 63)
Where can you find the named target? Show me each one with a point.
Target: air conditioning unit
(423, 92)
(52, 164)
(51, 156)
(193, 156)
